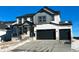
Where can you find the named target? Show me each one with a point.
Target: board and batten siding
(48, 17)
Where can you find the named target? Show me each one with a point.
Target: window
(42, 18)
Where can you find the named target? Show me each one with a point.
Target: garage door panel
(65, 34)
(46, 34)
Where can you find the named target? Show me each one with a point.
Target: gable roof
(49, 11)
(44, 9)
(26, 15)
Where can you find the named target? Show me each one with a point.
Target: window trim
(42, 18)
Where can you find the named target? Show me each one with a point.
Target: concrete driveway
(44, 46)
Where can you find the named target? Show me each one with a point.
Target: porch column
(28, 32)
(72, 35)
(17, 33)
(0, 39)
(35, 37)
(57, 34)
(17, 20)
(22, 29)
(22, 20)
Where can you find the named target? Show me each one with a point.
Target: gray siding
(48, 17)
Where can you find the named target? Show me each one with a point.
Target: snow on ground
(75, 45)
(2, 32)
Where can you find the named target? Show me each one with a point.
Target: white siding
(29, 19)
(17, 21)
(65, 27)
(51, 26)
(22, 20)
(56, 19)
(45, 26)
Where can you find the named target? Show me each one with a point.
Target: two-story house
(46, 24)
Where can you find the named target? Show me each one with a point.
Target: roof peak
(44, 9)
(49, 10)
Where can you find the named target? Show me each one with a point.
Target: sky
(70, 13)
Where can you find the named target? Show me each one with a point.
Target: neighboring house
(2, 30)
(5, 31)
(8, 23)
(46, 24)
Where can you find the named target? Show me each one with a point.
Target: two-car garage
(50, 34)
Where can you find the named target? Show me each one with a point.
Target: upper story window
(42, 18)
